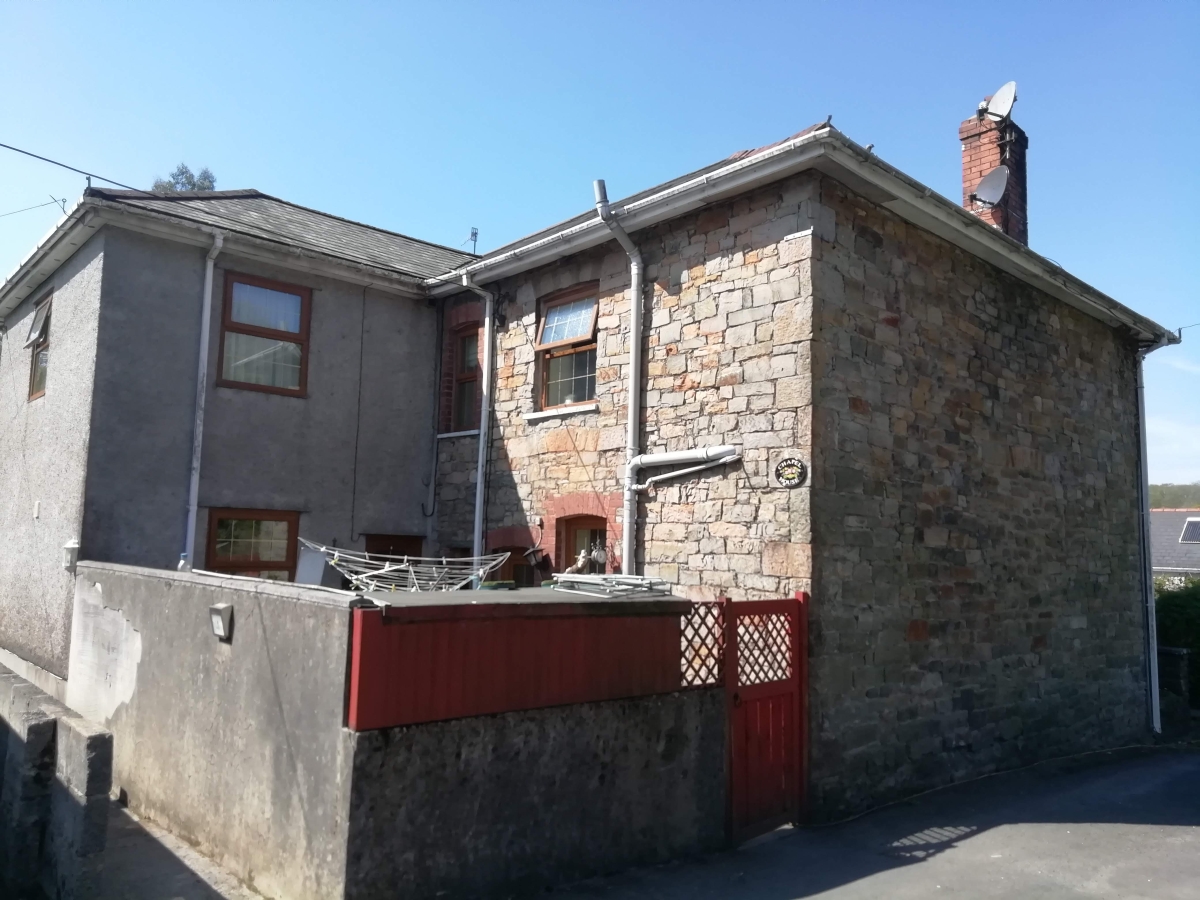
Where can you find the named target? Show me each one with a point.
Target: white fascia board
(832, 153)
(90, 214)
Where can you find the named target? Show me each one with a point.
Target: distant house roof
(1167, 550)
(260, 215)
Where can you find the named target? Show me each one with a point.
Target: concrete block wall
(56, 775)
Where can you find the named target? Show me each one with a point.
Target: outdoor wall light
(70, 555)
(220, 615)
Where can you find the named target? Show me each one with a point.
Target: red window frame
(568, 347)
(239, 567)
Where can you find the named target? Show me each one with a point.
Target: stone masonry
(972, 547)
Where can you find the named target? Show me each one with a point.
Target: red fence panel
(425, 664)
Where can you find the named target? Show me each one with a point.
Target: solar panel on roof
(1191, 532)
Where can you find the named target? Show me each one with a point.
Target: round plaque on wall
(791, 472)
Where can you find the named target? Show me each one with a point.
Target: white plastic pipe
(634, 385)
(1147, 562)
(189, 540)
(485, 410)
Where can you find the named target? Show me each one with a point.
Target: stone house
(842, 383)
(314, 373)
(969, 524)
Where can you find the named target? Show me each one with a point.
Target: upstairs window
(466, 380)
(260, 543)
(264, 335)
(566, 345)
(39, 340)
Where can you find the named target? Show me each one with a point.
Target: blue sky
(432, 119)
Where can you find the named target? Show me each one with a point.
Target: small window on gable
(566, 345)
(1191, 532)
(39, 340)
(264, 335)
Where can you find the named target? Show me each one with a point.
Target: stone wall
(976, 594)
(728, 309)
(511, 804)
(457, 461)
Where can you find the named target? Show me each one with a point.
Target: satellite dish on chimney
(1001, 104)
(991, 186)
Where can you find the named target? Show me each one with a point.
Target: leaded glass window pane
(571, 378)
(569, 321)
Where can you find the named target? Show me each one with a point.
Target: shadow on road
(1125, 823)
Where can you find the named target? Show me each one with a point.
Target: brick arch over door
(567, 506)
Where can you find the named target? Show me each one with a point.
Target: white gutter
(485, 411)
(189, 540)
(827, 150)
(633, 386)
(1147, 562)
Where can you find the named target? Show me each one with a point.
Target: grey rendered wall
(260, 450)
(350, 464)
(43, 455)
(140, 454)
(237, 747)
(507, 805)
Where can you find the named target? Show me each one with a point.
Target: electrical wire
(28, 208)
(55, 162)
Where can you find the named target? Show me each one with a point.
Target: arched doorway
(579, 533)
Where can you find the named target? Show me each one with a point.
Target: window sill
(453, 434)
(560, 411)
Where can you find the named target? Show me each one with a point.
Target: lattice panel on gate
(703, 645)
(764, 648)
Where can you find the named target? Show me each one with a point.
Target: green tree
(1175, 496)
(182, 179)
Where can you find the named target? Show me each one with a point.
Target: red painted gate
(766, 651)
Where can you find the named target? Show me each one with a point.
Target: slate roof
(1166, 525)
(265, 217)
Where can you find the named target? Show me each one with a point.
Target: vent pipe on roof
(189, 540)
(634, 384)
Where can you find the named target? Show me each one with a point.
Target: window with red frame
(566, 345)
(466, 380)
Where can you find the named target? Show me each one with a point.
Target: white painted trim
(560, 411)
(453, 434)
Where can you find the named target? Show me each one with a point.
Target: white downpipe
(485, 410)
(1147, 563)
(634, 383)
(679, 473)
(185, 558)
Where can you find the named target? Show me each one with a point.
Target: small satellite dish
(1001, 104)
(991, 187)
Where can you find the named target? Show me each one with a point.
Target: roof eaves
(828, 150)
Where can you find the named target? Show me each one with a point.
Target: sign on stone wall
(788, 469)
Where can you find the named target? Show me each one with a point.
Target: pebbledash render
(969, 527)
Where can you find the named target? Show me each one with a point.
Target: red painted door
(766, 651)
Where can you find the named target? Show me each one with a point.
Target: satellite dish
(991, 187)
(1001, 104)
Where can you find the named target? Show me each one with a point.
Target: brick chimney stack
(986, 144)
